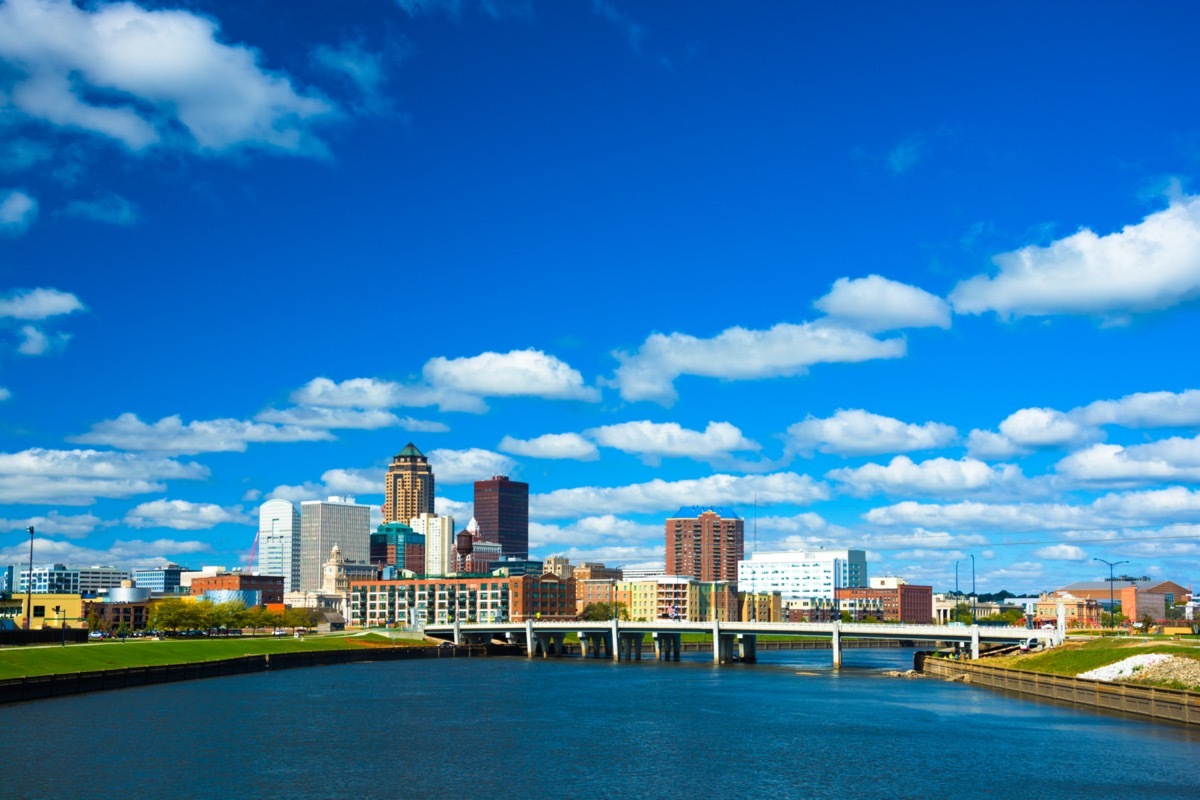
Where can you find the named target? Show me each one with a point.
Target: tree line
(175, 614)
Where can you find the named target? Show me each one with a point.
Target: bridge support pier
(550, 643)
(837, 645)
(667, 646)
(974, 642)
(747, 647)
(594, 644)
(629, 646)
(457, 632)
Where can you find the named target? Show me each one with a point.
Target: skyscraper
(279, 542)
(408, 486)
(705, 542)
(324, 523)
(439, 542)
(502, 511)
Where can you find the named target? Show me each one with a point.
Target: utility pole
(29, 584)
(1112, 613)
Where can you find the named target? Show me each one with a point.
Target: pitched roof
(409, 450)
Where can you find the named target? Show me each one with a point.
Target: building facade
(163, 580)
(408, 487)
(96, 578)
(803, 573)
(899, 602)
(705, 543)
(425, 601)
(396, 544)
(324, 523)
(269, 587)
(502, 511)
(279, 542)
(438, 531)
(50, 579)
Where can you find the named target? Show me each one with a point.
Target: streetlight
(1112, 613)
(957, 600)
(29, 584)
(974, 597)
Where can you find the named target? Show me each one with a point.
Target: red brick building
(705, 543)
(477, 598)
(904, 603)
(271, 586)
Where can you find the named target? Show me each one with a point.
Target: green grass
(1072, 658)
(16, 662)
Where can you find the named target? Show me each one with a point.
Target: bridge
(731, 641)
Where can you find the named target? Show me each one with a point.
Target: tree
(1148, 623)
(227, 615)
(93, 620)
(599, 612)
(846, 616)
(299, 617)
(962, 613)
(169, 614)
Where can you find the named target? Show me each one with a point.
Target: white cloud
(78, 477)
(134, 553)
(170, 435)
(551, 445)
(654, 440)
(1174, 459)
(38, 304)
(363, 393)
(906, 154)
(332, 418)
(366, 71)
(4, 394)
(858, 432)
(740, 354)
(875, 303)
(34, 342)
(353, 481)
(1030, 429)
(1151, 265)
(110, 208)
(468, 466)
(17, 212)
(1061, 552)
(1130, 509)
(162, 73)
(519, 373)
(659, 495)
(590, 531)
(182, 515)
(72, 526)
(460, 510)
(1144, 410)
(298, 494)
(936, 476)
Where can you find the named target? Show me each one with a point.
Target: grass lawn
(1072, 658)
(16, 662)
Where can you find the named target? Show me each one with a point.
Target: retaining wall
(1146, 701)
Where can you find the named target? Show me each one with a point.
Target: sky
(919, 279)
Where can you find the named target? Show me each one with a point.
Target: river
(787, 727)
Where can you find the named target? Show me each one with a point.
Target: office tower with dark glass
(408, 486)
(502, 511)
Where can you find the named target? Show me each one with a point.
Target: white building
(50, 579)
(96, 578)
(888, 582)
(279, 542)
(439, 542)
(803, 573)
(324, 523)
(643, 572)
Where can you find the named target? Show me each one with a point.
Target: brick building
(270, 586)
(899, 603)
(481, 598)
(704, 543)
(395, 544)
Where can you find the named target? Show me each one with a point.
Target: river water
(787, 727)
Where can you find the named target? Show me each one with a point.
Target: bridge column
(616, 643)
(716, 636)
(457, 632)
(747, 647)
(529, 640)
(666, 645)
(974, 642)
(837, 644)
(585, 642)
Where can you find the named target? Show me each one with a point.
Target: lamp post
(957, 600)
(1112, 614)
(974, 598)
(29, 584)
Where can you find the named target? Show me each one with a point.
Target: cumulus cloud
(1174, 459)
(170, 435)
(1061, 552)
(17, 212)
(110, 208)
(1144, 410)
(331, 418)
(740, 354)
(653, 440)
(528, 373)
(936, 476)
(38, 304)
(659, 495)
(133, 553)
(1030, 429)
(875, 303)
(165, 77)
(605, 529)
(858, 432)
(551, 445)
(1147, 266)
(365, 70)
(78, 477)
(460, 510)
(72, 526)
(468, 466)
(4, 394)
(182, 515)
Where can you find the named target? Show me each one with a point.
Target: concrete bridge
(731, 641)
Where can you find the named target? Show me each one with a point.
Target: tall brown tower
(705, 543)
(502, 511)
(408, 486)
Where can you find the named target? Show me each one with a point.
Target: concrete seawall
(1161, 704)
(37, 687)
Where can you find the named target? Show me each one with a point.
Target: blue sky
(920, 279)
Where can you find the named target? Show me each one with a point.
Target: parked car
(96, 635)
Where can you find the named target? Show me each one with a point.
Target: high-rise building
(705, 543)
(439, 542)
(279, 542)
(803, 573)
(164, 579)
(395, 544)
(502, 509)
(97, 578)
(408, 486)
(324, 523)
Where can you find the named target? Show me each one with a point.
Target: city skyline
(912, 281)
